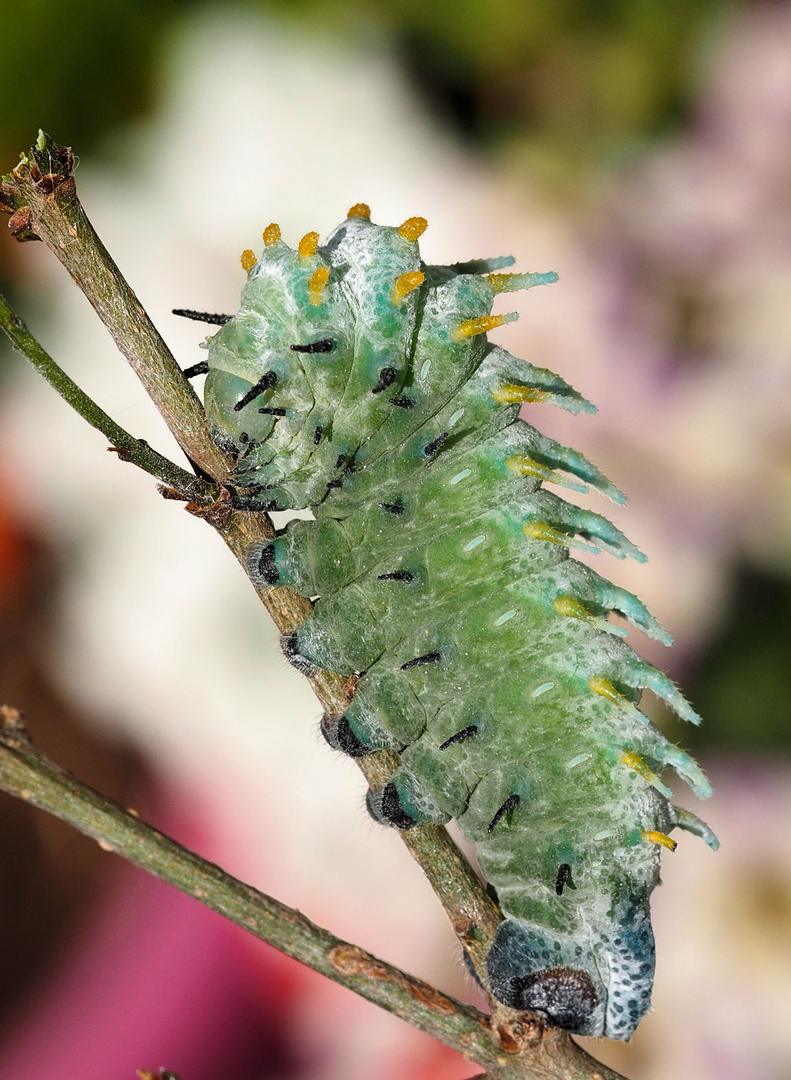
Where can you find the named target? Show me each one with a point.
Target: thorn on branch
(12, 722)
(123, 453)
(217, 513)
(522, 1033)
(20, 225)
(51, 165)
(9, 199)
(171, 493)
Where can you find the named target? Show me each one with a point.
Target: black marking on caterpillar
(420, 661)
(323, 345)
(563, 878)
(266, 382)
(202, 316)
(434, 446)
(269, 411)
(510, 804)
(493, 578)
(460, 736)
(317, 433)
(387, 376)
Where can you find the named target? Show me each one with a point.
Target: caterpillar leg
(340, 735)
(403, 802)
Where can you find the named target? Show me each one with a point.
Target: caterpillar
(360, 383)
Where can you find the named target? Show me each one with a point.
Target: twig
(129, 448)
(31, 776)
(42, 195)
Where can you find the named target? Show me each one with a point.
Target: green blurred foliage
(563, 81)
(741, 684)
(562, 85)
(75, 67)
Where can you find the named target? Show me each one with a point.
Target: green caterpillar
(359, 382)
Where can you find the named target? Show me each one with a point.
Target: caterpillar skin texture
(359, 382)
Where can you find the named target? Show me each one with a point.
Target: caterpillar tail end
(524, 976)
(598, 988)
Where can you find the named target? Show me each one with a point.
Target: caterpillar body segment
(360, 383)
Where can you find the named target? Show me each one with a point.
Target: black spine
(266, 382)
(202, 316)
(460, 736)
(420, 661)
(563, 878)
(434, 446)
(324, 345)
(201, 368)
(387, 377)
(510, 804)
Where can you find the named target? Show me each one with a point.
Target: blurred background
(640, 148)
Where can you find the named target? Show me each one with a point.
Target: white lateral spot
(457, 479)
(578, 760)
(605, 834)
(504, 618)
(542, 689)
(425, 369)
(456, 417)
(474, 543)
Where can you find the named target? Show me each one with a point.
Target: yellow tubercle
(525, 466)
(512, 393)
(413, 228)
(635, 762)
(360, 209)
(317, 285)
(406, 284)
(308, 245)
(271, 234)
(248, 259)
(654, 837)
(483, 324)
(539, 530)
(573, 609)
(500, 282)
(599, 685)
